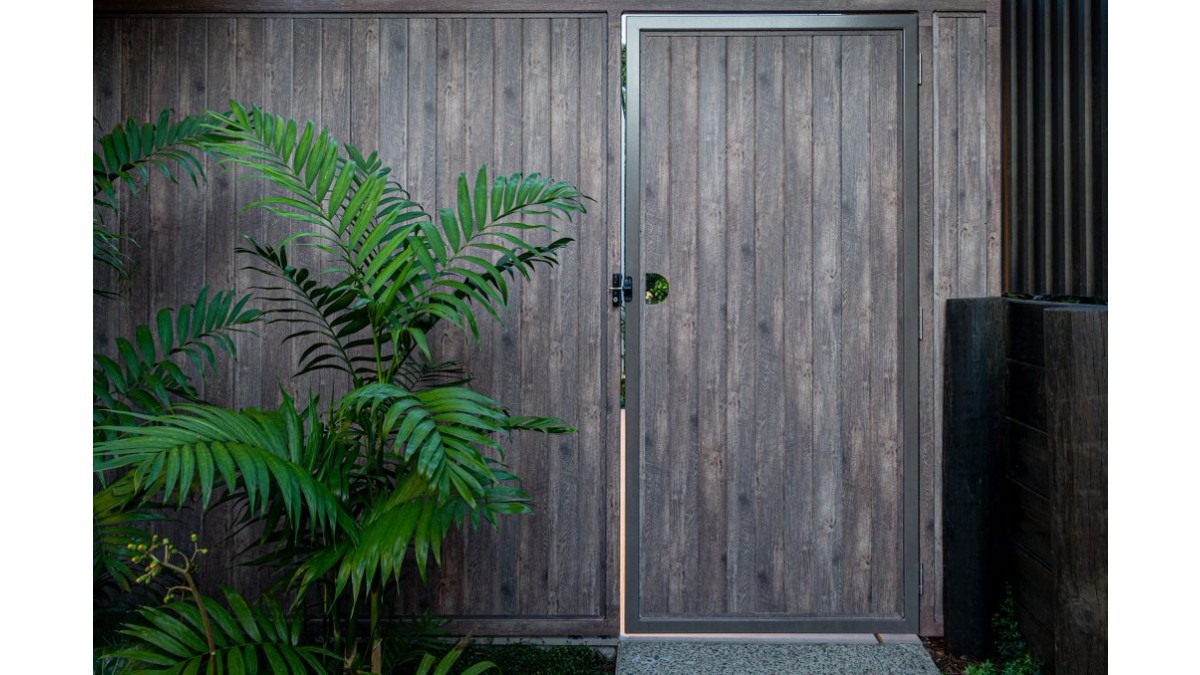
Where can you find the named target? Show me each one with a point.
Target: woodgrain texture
(960, 231)
(298, 77)
(801, 494)
(974, 526)
(436, 96)
(1077, 402)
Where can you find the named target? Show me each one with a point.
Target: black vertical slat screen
(1056, 68)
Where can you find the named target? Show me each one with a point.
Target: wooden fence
(1027, 476)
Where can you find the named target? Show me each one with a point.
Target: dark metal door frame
(906, 25)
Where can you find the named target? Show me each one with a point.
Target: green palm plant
(350, 493)
(126, 157)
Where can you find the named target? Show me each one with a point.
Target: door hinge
(920, 70)
(621, 289)
(921, 576)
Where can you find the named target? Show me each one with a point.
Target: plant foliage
(349, 491)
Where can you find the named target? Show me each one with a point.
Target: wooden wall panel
(802, 491)
(959, 231)
(436, 96)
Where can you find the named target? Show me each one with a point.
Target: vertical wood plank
(157, 252)
(393, 93)
(220, 264)
(447, 341)
(595, 403)
(712, 316)
(364, 93)
(1077, 403)
(563, 502)
(929, 412)
(306, 104)
(655, 328)
(972, 194)
(770, 454)
(993, 166)
(135, 103)
(886, 213)
(478, 581)
(277, 65)
(249, 56)
(798, 319)
(508, 132)
(740, 289)
(106, 111)
(858, 503)
(680, 310)
(536, 534)
(189, 221)
(827, 320)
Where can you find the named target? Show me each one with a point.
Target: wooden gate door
(772, 443)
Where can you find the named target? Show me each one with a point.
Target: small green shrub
(1014, 656)
(519, 659)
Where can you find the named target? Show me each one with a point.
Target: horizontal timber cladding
(337, 63)
(436, 97)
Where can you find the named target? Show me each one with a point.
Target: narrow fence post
(1077, 416)
(973, 442)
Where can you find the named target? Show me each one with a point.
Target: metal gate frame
(906, 25)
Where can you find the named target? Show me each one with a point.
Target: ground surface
(742, 658)
(947, 663)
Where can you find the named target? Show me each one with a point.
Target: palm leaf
(145, 373)
(246, 639)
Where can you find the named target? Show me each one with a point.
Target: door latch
(621, 288)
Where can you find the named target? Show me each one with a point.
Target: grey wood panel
(826, 319)
(797, 249)
(106, 111)
(436, 96)
(712, 345)
(959, 231)
(798, 134)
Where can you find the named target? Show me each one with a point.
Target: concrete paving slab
(646, 657)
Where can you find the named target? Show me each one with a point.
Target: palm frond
(144, 374)
(126, 156)
(252, 453)
(245, 638)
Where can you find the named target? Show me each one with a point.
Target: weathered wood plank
(798, 346)
(536, 536)
(480, 547)
(742, 405)
(393, 104)
(563, 499)
(157, 253)
(970, 61)
(655, 326)
(106, 111)
(770, 452)
(448, 342)
(1033, 594)
(857, 503)
(531, 6)
(712, 311)
(597, 403)
(1027, 393)
(1077, 402)
(305, 99)
(681, 309)
(884, 428)
(1029, 457)
(1029, 521)
(363, 88)
(278, 59)
(509, 98)
(1026, 326)
(930, 411)
(827, 321)
(975, 379)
